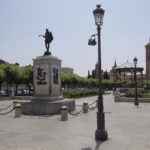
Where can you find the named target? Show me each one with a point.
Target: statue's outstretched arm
(40, 35)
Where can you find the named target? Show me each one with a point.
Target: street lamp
(136, 102)
(100, 133)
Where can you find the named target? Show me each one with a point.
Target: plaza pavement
(128, 129)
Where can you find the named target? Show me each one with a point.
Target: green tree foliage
(73, 81)
(1, 75)
(16, 76)
(69, 80)
(27, 76)
(12, 75)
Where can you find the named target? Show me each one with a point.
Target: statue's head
(47, 30)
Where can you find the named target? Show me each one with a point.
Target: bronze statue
(48, 39)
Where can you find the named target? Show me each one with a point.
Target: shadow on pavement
(96, 147)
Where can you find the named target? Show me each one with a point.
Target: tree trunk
(16, 89)
(0, 86)
(7, 88)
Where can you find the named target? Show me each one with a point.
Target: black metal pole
(101, 133)
(136, 96)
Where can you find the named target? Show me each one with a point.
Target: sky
(125, 31)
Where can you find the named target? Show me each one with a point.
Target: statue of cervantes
(48, 39)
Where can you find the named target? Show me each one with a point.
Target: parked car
(3, 93)
(19, 92)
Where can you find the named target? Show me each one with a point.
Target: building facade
(125, 72)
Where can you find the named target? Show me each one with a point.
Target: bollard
(12, 92)
(85, 107)
(14, 103)
(117, 97)
(18, 111)
(64, 113)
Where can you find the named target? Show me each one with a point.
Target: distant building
(67, 70)
(113, 72)
(147, 46)
(125, 72)
(104, 74)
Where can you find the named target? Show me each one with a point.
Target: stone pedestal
(46, 107)
(47, 97)
(85, 107)
(46, 75)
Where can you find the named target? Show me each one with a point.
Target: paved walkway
(127, 126)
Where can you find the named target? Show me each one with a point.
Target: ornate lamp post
(136, 102)
(100, 133)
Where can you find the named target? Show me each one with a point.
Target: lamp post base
(101, 135)
(136, 103)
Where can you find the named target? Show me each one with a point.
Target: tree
(1, 75)
(27, 76)
(12, 76)
(17, 76)
(89, 75)
(93, 73)
(106, 75)
(65, 79)
(8, 76)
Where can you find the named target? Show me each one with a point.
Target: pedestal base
(47, 53)
(46, 107)
(101, 135)
(136, 103)
(47, 98)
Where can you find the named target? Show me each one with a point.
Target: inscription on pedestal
(41, 76)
